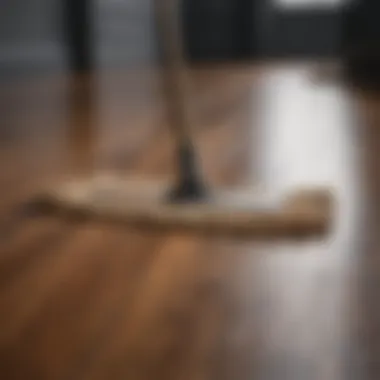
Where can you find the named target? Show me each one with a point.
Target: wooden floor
(86, 301)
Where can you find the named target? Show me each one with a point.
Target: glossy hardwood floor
(89, 301)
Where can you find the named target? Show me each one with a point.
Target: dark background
(34, 34)
(224, 29)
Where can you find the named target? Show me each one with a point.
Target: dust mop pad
(114, 199)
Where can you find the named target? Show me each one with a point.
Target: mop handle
(168, 21)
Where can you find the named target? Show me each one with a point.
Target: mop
(189, 203)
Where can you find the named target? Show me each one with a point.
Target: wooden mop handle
(168, 20)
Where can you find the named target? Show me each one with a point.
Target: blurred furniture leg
(78, 25)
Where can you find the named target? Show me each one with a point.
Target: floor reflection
(309, 137)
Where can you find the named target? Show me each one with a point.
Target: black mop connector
(190, 186)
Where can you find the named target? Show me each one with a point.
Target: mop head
(114, 199)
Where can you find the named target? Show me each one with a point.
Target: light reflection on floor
(308, 132)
